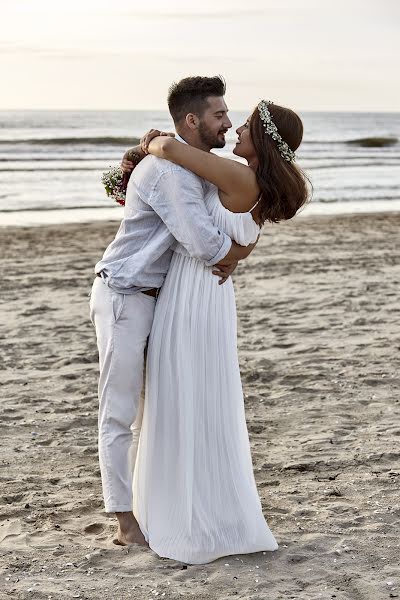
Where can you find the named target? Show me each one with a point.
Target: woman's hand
(131, 158)
(150, 135)
(127, 165)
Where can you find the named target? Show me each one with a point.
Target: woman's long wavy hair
(284, 186)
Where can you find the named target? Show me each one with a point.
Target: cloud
(157, 57)
(15, 49)
(228, 14)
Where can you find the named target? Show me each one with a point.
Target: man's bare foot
(128, 531)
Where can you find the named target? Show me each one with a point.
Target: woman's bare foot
(128, 531)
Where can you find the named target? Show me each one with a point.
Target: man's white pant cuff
(120, 508)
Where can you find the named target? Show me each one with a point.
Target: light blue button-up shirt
(164, 205)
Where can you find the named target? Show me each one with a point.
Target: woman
(195, 496)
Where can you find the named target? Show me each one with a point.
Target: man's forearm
(237, 253)
(177, 197)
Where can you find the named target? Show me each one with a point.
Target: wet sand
(319, 341)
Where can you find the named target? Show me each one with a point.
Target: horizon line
(165, 110)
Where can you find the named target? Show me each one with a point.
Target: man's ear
(192, 121)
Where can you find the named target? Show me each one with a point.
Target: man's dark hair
(190, 95)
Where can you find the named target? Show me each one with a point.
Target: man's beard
(209, 138)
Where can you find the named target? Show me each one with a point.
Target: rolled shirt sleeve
(178, 198)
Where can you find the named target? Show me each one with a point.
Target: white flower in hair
(272, 130)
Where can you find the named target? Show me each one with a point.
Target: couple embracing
(175, 461)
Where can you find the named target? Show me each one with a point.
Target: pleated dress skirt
(195, 495)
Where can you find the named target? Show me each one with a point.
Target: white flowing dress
(194, 492)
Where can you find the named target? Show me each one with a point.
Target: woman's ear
(192, 121)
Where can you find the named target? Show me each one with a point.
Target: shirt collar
(179, 138)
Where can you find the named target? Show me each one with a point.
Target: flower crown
(272, 130)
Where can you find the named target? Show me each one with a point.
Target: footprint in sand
(256, 428)
(11, 534)
(94, 529)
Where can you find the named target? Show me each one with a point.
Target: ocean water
(51, 162)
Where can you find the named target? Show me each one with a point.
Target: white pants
(123, 323)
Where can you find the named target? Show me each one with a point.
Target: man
(164, 205)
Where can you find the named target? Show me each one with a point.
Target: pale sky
(120, 54)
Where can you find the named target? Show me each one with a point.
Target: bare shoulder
(246, 177)
(243, 192)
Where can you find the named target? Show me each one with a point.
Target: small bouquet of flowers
(115, 184)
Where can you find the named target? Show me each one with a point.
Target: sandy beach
(319, 341)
